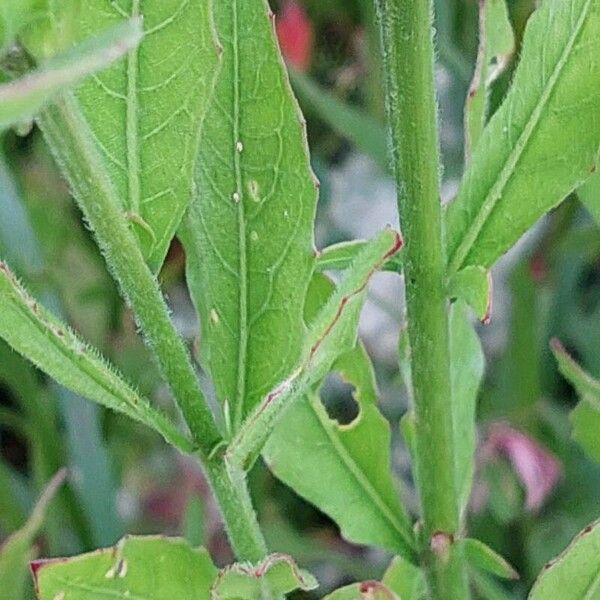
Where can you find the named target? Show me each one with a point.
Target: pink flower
(295, 33)
(538, 470)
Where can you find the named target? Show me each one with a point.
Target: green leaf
(406, 580)
(367, 590)
(339, 257)
(249, 232)
(541, 144)
(145, 114)
(307, 443)
(474, 286)
(496, 46)
(153, 568)
(361, 129)
(467, 367)
(589, 194)
(278, 574)
(16, 551)
(575, 573)
(39, 336)
(482, 557)
(332, 332)
(22, 98)
(14, 16)
(586, 416)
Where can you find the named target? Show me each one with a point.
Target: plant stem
(231, 491)
(406, 30)
(72, 144)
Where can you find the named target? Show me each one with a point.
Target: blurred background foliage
(535, 487)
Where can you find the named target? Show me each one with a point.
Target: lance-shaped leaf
(278, 574)
(482, 557)
(40, 337)
(22, 98)
(249, 232)
(543, 141)
(145, 114)
(474, 286)
(338, 257)
(575, 573)
(307, 443)
(153, 568)
(17, 551)
(332, 333)
(586, 416)
(496, 46)
(589, 194)
(467, 366)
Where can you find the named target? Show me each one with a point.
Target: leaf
(16, 551)
(153, 568)
(496, 46)
(14, 16)
(278, 574)
(332, 332)
(589, 194)
(467, 367)
(482, 557)
(575, 573)
(145, 114)
(586, 416)
(474, 286)
(22, 98)
(362, 130)
(367, 590)
(249, 232)
(406, 580)
(339, 257)
(543, 141)
(36, 334)
(307, 443)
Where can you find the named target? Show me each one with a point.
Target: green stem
(406, 29)
(231, 491)
(72, 143)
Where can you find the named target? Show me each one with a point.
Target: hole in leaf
(337, 397)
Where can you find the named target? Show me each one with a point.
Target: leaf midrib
(358, 474)
(242, 242)
(495, 193)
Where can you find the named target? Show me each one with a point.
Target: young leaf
(16, 551)
(482, 557)
(367, 590)
(496, 46)
(575, 573)
(406, 580)
(249, 232)
(589, 194)
(36, 334)
(586, 416)
(339, 257)
(145, 113)
(473, 285)
(278, 574)
(356, 457)
(22, 98)
(332, 333)
(541, 144)
(153, 568)
(467, 366)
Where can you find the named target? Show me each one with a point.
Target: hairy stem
(72, 144)
(406, 30)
